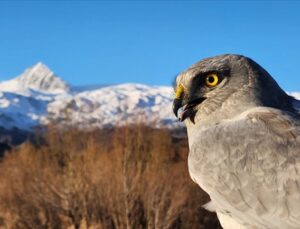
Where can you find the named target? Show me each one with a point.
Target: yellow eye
(212, 80)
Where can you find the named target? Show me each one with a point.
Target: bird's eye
(212, 80)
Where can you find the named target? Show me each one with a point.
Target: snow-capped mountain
(38, 96)
(37, 78)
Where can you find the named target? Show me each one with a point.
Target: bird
(244, 141)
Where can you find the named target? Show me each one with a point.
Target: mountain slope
(115, 105)
(38, 96)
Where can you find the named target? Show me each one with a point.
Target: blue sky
(108, 42)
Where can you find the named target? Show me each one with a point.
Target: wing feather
(250, 166)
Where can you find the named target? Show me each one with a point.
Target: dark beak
(183, 111)
(177, 103)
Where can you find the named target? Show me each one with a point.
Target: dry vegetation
(131, 177)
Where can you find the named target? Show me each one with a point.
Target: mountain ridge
(38, 96)
(37, 78)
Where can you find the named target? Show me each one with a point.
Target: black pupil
(211, 79)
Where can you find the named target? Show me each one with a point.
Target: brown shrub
(127, 177)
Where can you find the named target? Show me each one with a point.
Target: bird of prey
(244, 142)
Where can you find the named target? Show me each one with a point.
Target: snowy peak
(39, 69)
(41, 78)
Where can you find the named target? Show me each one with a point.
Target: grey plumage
(244, 139)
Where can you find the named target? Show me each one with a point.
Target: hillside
(38, 96)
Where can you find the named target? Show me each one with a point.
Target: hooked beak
(183, 111)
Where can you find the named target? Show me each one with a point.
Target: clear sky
(108, 42)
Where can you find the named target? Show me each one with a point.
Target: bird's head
(223, 86)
